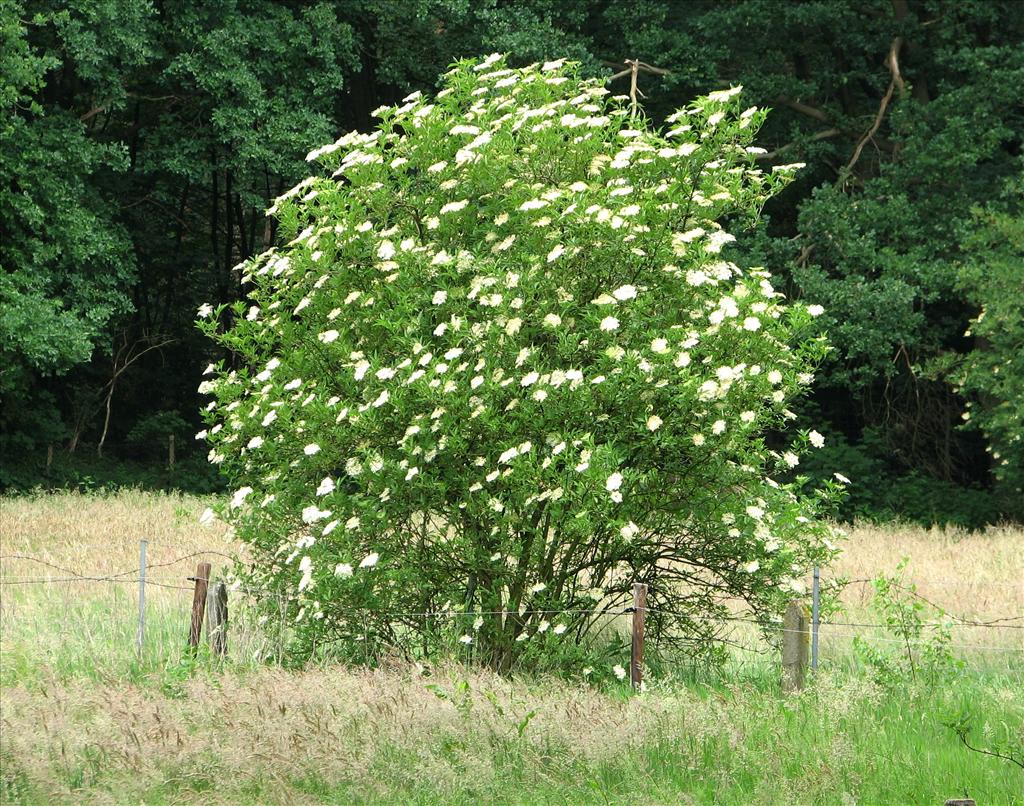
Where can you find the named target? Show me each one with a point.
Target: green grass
(350, 736)
(82, 720)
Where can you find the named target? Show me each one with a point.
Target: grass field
(83, 721)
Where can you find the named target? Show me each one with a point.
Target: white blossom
(326, 486)
(239, 497)
(313, 513)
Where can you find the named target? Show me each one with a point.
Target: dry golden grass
(333, 722)
(977, 575)
(87, 627)
(99, 535)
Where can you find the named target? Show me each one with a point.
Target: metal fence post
(815, 617)
(141, 632)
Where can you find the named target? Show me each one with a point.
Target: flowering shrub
(502, 368)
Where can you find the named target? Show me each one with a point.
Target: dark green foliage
(992, 374)
(141, 142)
(883, 492)
(86, 472)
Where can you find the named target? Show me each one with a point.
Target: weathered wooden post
(795, 639)
(202, 580)
(217, 618)
(170, 452)
(960, 802)
(636, 660)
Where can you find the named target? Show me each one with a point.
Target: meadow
(83, 720)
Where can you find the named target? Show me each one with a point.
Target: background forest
(141, 143)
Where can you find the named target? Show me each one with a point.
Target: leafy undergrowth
(449, 735)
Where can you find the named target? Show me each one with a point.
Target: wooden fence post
(795, 638)
(170, 452)
(49, 458)
(217, 618)
(636, 660)
(960, 802)
(202, 580)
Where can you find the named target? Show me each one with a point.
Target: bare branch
(822, 135)
(892, 62)
(633, 70)
(93, 113)
(804, 109)
(962, 730)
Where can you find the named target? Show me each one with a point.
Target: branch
(633, 70)
(892, 62)
(822, 135)
(93, 112)
(961, 731)
(644, 66)
(804, 109)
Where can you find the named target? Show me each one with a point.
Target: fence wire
(833, 628)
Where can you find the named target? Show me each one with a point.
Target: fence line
(133, 546)
(139, 575)
(960, 622)
(844, 628)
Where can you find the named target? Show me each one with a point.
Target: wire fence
(1006, 624)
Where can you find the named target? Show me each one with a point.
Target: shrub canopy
(502, 368)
